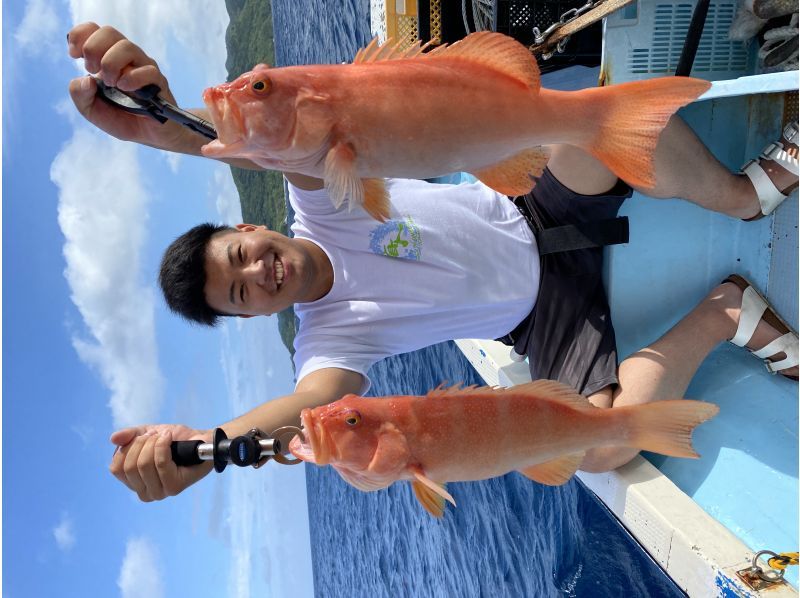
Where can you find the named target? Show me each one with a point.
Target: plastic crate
(517, 18)
(645, 39)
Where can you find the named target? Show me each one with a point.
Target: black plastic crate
(517, 18)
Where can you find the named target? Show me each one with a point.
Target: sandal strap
(769, 196)
(783, 344)
(753, 308)
(790, 132)
(776, 153)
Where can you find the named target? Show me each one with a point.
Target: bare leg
(664, 369)
(684, 168)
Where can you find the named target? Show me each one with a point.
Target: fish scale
(541, 429)
(474, 106)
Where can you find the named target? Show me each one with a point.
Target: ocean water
(508, 536)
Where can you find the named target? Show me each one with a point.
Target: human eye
(241, 255)
(241, 293)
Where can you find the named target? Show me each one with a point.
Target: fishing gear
(254, 448)
(146, 102)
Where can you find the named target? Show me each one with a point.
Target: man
(452, 262)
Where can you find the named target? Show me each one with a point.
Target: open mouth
(278, 273)
(311, 447)
(225, 115)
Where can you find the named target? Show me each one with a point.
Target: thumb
(83, 91)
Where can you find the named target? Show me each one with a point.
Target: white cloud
(173, 161)
(140, 574)
(198, 25)
(102, 213)
(64, 533)
(84, 432)
(39, 32)
(103, 210)
(226, 197)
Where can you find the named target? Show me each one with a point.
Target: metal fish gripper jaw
(254, 448)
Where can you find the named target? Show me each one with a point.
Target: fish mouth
(313, 445)
(225, 115)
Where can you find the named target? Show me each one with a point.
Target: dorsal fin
(389, 50)
(556, 391)
(488, 48)
(544, 389)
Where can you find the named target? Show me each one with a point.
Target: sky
(88, 344)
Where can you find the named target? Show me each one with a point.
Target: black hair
(182, 276)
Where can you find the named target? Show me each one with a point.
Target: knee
(603, 398)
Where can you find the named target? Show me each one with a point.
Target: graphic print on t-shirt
(397, 238)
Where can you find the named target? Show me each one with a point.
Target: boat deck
(747, 478)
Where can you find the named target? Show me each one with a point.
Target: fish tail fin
(666, 426)
(633, 116)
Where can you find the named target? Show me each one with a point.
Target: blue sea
(508, 536)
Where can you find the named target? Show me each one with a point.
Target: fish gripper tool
(146, 102)
(254, 448)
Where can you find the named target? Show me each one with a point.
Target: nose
(255, 272)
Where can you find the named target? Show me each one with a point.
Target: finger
(97, 44)
(148, 472)
(125, 435)
(137, 77)
(119, 58)
(83, 91)
(117, 467)
(167, 470)
(77, 37)
(133, 478)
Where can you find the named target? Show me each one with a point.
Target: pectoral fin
(360, 481)
(342, 183)
(513, 176)
(430, 494)
(376, 199)
(555, 472)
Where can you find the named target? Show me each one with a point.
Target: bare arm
(318, 388)
(143, 460)
(119, 62)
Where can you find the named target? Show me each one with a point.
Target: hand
(119, 63)
(143, 460)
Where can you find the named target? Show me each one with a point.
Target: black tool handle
(184, 452)
(148, 92)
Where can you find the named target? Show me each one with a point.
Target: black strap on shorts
(569, 237)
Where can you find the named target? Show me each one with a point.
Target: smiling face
(254, 271)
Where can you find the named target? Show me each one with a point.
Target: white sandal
(754, 309)
(769, 196)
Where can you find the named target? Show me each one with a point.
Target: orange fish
(475, 106)
(541, 429)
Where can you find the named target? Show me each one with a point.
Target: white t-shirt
(453, 261)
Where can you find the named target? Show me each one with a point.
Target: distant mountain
(249, 41)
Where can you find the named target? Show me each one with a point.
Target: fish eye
(261, 86)
(353, 418)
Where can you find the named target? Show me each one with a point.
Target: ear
(248, 228)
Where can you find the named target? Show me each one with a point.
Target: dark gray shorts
(569, 336)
